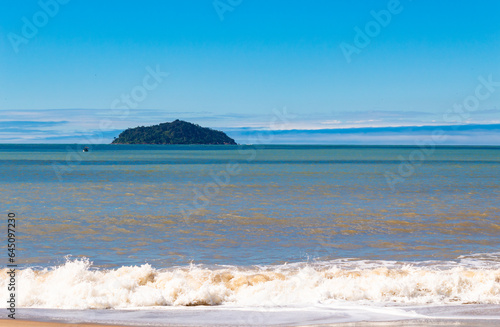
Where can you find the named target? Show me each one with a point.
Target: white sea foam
(77, 285)
(223, 316)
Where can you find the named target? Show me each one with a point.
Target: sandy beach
(27, 323)
(410, 323)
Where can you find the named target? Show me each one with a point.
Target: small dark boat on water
(86, 149)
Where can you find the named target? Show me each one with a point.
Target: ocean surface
(258, 234)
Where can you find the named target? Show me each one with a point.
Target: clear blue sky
(262, 55)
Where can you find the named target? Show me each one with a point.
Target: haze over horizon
(72, 70)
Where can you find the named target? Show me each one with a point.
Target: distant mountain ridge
(176, 132)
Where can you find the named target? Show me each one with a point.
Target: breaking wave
(78, 285)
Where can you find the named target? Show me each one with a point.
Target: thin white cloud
(74, 125)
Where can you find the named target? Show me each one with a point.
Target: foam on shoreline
(78, 285)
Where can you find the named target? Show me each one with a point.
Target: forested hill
(176, 132)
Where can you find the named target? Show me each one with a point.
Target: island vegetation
(176, 132)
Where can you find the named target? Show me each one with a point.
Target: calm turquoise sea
(144, 226)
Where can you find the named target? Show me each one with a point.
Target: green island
(176, 132)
